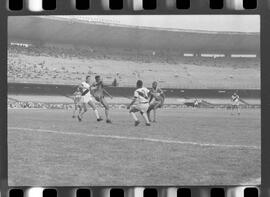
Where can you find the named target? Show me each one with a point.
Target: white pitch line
(137, 138)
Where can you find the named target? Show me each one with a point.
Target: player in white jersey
(87, 98)
(235, 102)
(156, 100)
(77, 95)
(140, 103)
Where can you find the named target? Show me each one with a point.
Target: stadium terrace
(79, 32)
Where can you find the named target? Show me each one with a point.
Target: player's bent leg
(106, 106)
(148, 115)
(144, 108)
(82, 112)
(155, 115)
(146, 118)
(232, 108)
(158, 105)
(238, 109)
(74, 111)
(132, 111)
(137, 122)
(80, 108)
(150, 108)
(93, 106)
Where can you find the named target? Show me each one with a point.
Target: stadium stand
(63, 65)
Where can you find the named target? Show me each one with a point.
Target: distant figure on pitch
(156, 100)
(87, 98)
(196, 103)
(235, 103)
(77, 95)
(140, 103)
(98, 91)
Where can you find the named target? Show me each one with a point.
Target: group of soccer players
(144, 100)
(86, 94)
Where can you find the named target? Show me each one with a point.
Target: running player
(156, 100)
(235, 102)
(76, 99)
(87, 98)
(196, 102)
(98, 91)
(140, 103)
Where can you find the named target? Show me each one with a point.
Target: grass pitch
(185, 147)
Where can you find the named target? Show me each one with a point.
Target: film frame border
(135, 4)
(63, 8)
(185, 191)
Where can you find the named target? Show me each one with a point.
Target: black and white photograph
(131, 100)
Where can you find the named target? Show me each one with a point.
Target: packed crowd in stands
(120, 67)
(146, 56)
(50, 51)
(149, 56)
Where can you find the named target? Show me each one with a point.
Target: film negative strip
(134, 98)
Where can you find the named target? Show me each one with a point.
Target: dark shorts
(157, 104)
(99, 98)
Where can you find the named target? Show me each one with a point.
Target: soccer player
(76, 99)
(140, 103)
(87, 98)
(156, 100)
(235, 102)
(98, 91)
(196, 103)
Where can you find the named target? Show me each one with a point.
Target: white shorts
(86, 98)
(236, 103)
(142, 107)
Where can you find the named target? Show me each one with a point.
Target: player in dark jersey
(98, 91)
(156, 101)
